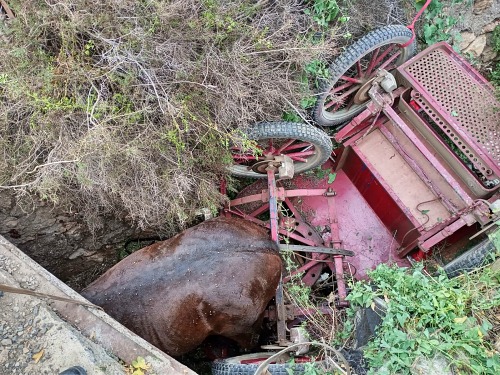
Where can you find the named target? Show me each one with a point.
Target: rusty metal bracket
(316, 249)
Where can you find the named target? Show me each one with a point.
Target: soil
(62, 242)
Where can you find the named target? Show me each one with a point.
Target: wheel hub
(361, 95)
(262, 166)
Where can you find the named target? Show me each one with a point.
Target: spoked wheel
(351, 74)
(306, 145)
(247, 364)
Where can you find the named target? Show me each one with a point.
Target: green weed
(495, 39)
(323, 12)
(317, 71)
(429, 316)
(437, 24)
(495, 74)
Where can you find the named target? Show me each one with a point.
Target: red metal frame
(328, 213)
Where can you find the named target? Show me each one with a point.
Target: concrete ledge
(93, 324)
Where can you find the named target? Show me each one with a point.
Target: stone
(495, 267)
(482, 5)
(81, 253)
(488, 54)
(436, 366)
(491, 26)
(6, 342)
(477, 46)
(466, 39)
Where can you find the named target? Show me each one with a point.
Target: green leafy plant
(290, 116)
(323, 12)
(138, 366)
(437, 24)
(495, 74)
(316, 71)
(495, 39)
(431, 316)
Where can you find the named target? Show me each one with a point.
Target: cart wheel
(307, 145)
(247, 365)
(471, 259)
(346, 93)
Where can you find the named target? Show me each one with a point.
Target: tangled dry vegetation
(129, 106)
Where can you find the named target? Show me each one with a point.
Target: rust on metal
(316, 249)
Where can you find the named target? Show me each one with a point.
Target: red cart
(415, 169)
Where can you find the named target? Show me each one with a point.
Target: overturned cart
(415, 171)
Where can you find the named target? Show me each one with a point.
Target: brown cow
(213, 279)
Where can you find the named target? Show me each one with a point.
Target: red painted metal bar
(338, 99)
(293, 146)
(343, 86)
(260, 210)
(282, 193)
(262, 197)
(412, 25)
(373, 61)
(384, 54)
(273, 222)
(441, 235)
(359, 69)
(285, 145)
(338, 260)
(304, 193)
(350, 80)
(388, 61)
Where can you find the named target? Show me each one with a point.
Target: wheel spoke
(388, 61)
(339, 99)
(385, 54)
(285, 146)
(341, 87)
(351, 79)
(244, 157)
(297, 146)
(270, 148)
(302, 153)
(358, 68)
(372, 63)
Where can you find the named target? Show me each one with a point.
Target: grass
(432, 317)
(495, 73)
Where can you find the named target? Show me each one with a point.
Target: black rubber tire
(392, 34)
(288, 130)
(471, 259)
(233, 366)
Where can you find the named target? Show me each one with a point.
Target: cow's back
(213, 279)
